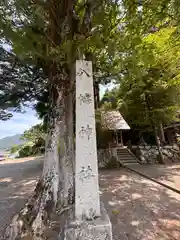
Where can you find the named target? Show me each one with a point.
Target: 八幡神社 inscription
(86, 173)
(82, 71)
(86, 152)
(86, 132)
(86, 98)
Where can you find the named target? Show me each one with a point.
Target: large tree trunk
(162, 136)
(56, 186)
(153, 125)
(67, 153)
(161, 157)
(141, 139)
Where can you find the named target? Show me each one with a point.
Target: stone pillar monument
(87, 205)
(88, 220)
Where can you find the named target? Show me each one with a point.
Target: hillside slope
(8, 142)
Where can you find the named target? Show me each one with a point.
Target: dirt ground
(167, 174)
(17, 180)
(138, 208)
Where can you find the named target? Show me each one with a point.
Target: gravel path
(17, 181)
(139, 208)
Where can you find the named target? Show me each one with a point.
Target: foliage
(110, 99)
(35, 134)
(149, 93)
(34, 142)
(20, 83)
(15, 148)
(31, 150)
(25, 151)
(103, 137)
(51, 32)
(35, 138)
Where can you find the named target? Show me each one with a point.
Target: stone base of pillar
(97, 229)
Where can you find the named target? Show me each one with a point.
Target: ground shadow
(139, 208)
(17, 181)
(168, 174)
(10, 172)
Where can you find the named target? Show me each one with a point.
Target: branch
(90, 7)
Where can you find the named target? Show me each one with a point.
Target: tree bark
(161, 158)
(153, 125)
(58, 168)
(162, 136)
(67, 153)
(141, 139)
(56, 186)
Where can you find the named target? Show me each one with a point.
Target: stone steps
(125, 157)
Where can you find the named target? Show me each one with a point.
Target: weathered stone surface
(86, 221)
(97, 229)
(87, 203)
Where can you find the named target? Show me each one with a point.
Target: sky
(18, 123)
(23, 121)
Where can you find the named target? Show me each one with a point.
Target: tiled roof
(113, 120)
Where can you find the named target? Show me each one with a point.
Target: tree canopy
(150, 90)
(39, 33)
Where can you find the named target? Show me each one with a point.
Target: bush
(31, 150)
(113, 163)
(25, 151)
(15, 148)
